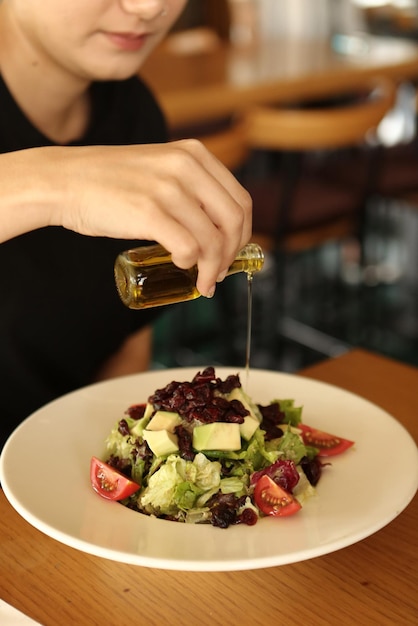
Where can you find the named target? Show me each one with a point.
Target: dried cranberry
(200, 400)
(221, 403)
(272, 417)
(248, 517)
(185, 443)
(123, 427)
(208, 375)
(136, 411)
(227, 385)
(235, 412)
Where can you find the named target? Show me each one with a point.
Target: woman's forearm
(27, 197)
(176, 193)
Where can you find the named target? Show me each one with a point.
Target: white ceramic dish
(45, 476)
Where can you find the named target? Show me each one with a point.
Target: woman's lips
(127, 41)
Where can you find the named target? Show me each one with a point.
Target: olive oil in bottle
(147, 277)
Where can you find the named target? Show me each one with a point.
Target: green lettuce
(119, 445)
(293, 414)
(289, 447)
(179, 483)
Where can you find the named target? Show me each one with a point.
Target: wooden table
(373, 582)
(199, 87)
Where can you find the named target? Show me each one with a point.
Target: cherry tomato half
(273, 500)
(327, 444)
(109, 482)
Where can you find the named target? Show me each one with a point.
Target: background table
(199, 87)
(372, 582)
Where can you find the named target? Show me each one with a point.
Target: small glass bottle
(147, 277)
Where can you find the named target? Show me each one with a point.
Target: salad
(204, 452)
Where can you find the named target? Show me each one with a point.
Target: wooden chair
(295, 207)
(296, 210)
(225, 138)
(396, 158)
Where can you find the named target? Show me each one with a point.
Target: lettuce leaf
(293, 414)
(290, 446)
(118, 444)
(178, 484)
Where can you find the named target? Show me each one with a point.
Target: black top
(60, 315)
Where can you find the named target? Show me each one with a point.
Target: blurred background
(319, 294)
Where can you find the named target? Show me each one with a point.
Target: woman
(83, 147)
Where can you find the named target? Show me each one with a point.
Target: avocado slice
(217, 436)
(161, 442)
(248, 427)
(138, 428)
(164, 420)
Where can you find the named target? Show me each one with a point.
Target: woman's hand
(177, 194)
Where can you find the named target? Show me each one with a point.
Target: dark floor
(324, 303)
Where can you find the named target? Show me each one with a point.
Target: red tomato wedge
(109, 482)
(327, 444)
(272, 500)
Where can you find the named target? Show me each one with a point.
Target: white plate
(45, 476)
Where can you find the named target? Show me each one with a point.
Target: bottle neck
(250, 260)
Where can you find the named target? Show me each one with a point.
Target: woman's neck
(56, 102)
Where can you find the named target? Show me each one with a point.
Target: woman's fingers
(202, 195)
(177, 194)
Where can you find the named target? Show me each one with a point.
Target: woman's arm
(176, 193)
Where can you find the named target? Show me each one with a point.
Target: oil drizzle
(249, 320)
